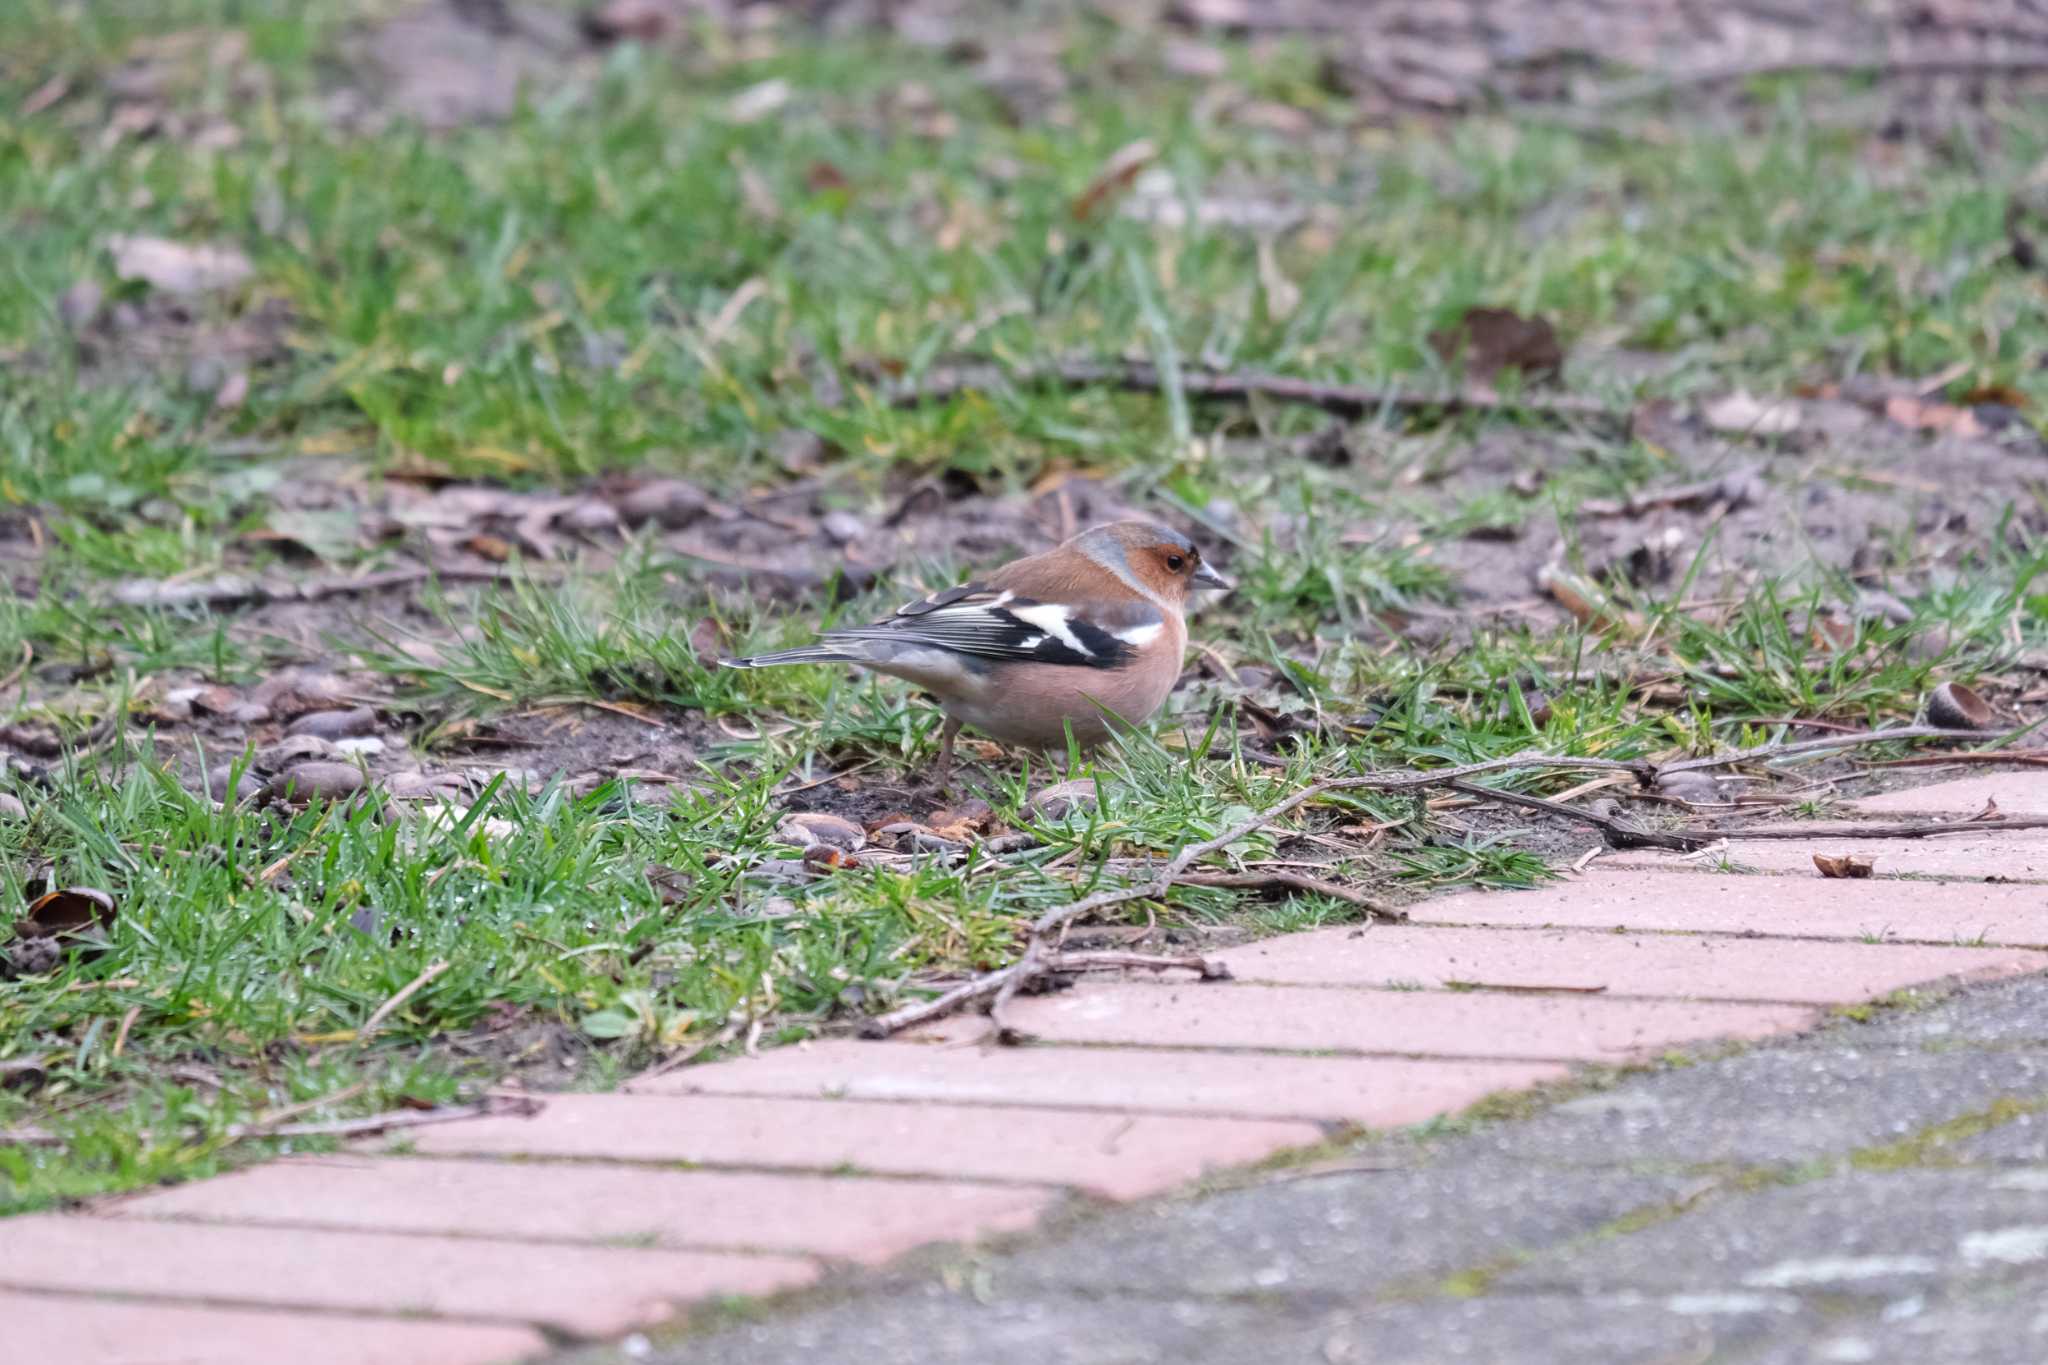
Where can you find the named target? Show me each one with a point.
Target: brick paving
(502, 1238)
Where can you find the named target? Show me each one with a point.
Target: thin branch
(2024, 760)
(686, 1056)
(1000, 986)
(233, 590)
(1618, 833)
(1349, 401)
(405, 993)
(1855, 832)
(1828, 742)
(384, 1122)
(1289, 881)
(1003, 983)
(1104, 959)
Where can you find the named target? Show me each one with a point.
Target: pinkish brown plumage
(1081, 637)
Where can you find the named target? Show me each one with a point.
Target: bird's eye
(1174, 563)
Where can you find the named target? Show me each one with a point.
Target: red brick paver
(2017, 793)
(62, 1329)
(1117, 1156)
(591, 1290)
(2018, 856)
(1381, 1092)
(469, 1242)
(859, 1220)
(1422, 1023)
(1678, 966)
(1787, 907)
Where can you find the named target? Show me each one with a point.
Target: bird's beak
(1206, 577)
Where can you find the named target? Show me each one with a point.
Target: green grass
(630, 279)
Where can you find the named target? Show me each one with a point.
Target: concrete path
(609, 1215)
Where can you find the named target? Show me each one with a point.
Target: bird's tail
(806, 654)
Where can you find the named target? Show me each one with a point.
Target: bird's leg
(946, 734)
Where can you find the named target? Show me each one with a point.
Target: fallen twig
(1290, 881)
(1828, 742)
(1350, 401)
(1104, 959)
(1000, 985)
(1855, 832)
(393, 1118)
(687, 1055)
(405, 993)
(1521, 988)
(2025, 760)
(233, 590)
(1617, 833)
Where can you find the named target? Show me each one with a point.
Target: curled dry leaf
(1744, 414)
(1847, 865)
(1114, 180)
(808, 828)
(961, 823)
(1953, 706)
(1489, 340)
(314, 780)
(1922, 415)
(826, 858)
(71, 910)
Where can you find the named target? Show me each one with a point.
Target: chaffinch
(1089, 632)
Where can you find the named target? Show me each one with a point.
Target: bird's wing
(985, 622)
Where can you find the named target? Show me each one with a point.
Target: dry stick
(1094, 960)
(1618, 833)
(378, 1123)
(1343, 400)
(244, 592)
(1002, 984)
(1291, 881)
(1855, 832)
(686, 1056)
(997, 985)
(1943, 760)
(405, 993)
(1827, 742)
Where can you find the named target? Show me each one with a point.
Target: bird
(1076, 639)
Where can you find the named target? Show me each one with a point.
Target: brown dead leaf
(178, 267)
(483, 545)
(1489, 340)
(1848, 865)
(808, 828)
(2002, 394)
(1922, 414)
(825, 858)
(1114, 180)
(823, 177)
(71, 910)
(971, 814)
